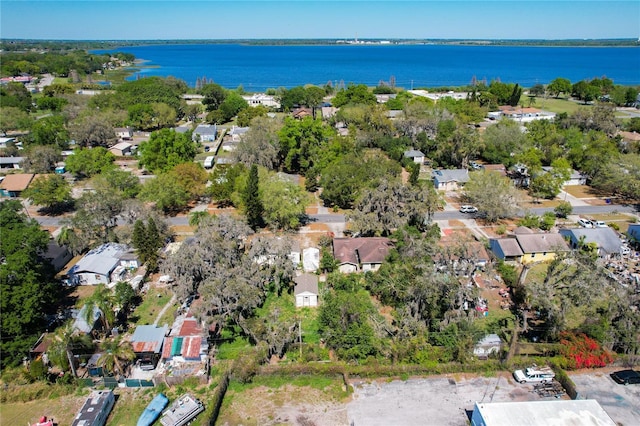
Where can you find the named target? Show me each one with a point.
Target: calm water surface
(260, 67)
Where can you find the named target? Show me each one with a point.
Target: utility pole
(300, 336)
(411, 84)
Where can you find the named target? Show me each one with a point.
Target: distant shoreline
(96, 44)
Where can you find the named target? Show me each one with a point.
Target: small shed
(306, 290)
(415, 155)
(121, 149)
(490, 344)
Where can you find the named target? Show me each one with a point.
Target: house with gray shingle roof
(306, 290)
(528, 247)
(450, 179)
(606, 240)
(415, 155)
(205, 133)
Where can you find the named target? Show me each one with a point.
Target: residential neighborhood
(188, 248)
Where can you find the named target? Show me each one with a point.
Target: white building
(262, 99)
(103, 265)
(306, 290)
(541, 413)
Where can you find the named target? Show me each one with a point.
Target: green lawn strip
(169, 315)
(233, 347)
(153, 302)
(558, 105)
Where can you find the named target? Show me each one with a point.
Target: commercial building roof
(541, 413)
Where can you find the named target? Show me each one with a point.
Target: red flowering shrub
(582, 351)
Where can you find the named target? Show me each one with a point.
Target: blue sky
(227, 19)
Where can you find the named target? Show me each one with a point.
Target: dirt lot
(286, 405)
(622, 403)
(444, 400)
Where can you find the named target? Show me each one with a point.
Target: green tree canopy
(26, 282)
(354, 94)
(50, 131)
(52, 192)
(493, 194)
(166, 149)
(87, 162)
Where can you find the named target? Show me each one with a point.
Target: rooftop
(544, 413)
(148, 338)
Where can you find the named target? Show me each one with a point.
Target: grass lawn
(557, 105)
(582, 191)
(153, 302)
(62, 409)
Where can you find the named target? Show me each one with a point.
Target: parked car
(585, 223)
(534, 374)
(626, 377)
(468, 209)
(599, 224)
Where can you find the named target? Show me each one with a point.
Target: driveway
(622, 403)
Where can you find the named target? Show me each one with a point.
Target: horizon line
(324, 38)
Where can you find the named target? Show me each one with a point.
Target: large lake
(257, 68)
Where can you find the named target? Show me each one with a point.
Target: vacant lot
(622, 403)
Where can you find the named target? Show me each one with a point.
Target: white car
(534, 374)
(585, 223)
(599, 224)
(468, 209)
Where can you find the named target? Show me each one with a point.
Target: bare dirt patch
(286, 405)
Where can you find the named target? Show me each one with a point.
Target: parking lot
(444, 400)
(622, 403)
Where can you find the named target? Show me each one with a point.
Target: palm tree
(117, 354)
(65, 342)
(102, 299)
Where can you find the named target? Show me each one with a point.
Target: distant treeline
(65, 45)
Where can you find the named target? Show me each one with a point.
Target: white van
(208, 162)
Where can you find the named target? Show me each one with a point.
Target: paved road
(443, 215)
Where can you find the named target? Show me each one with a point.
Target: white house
(450, 179)
(103, 265)
(415, 155)
(306, 290)
(262, 99)
(205, 133)
(490, 344)
(124, 133)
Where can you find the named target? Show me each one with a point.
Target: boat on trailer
(153, 410)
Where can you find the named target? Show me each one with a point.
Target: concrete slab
(443, 400)
(622, 403)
